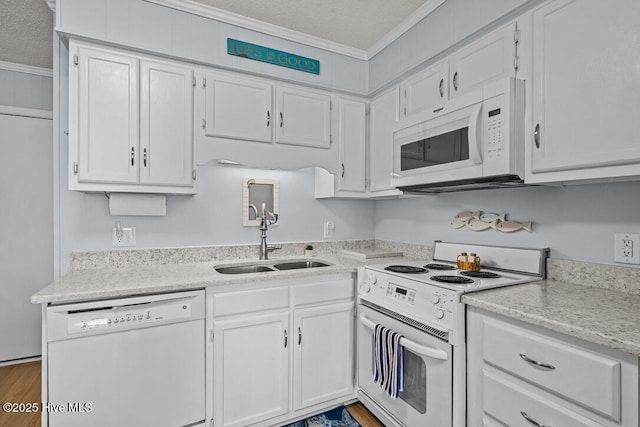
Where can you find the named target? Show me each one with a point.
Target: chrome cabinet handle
(455, 81)
(342, 174)
(299, 336)
(286, 340)
(531, 420)
(536, 363)
(268, 118)
(437, 110)
(133, 155)
(441, 88)
(536, 135)
(144, 157)
(281, 119)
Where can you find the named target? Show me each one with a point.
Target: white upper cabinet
(238, 107)
(586, 91)
(103, 116)
(487, 59)
(166, 124)
(130, 122)
(425, 90)
(303, 117)
(352, 140)
(383, 115)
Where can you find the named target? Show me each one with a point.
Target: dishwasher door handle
(434, 353)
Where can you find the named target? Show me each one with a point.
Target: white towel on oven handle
(388, 367)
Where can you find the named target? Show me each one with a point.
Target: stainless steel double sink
(281, 265)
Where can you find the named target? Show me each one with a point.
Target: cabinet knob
(144, 157)
(133, 155)
(268, 118)
(342, 174)
(455, 81)
(281, 119)
(441, 88)
(536, 135)
(286, 340)
(299, 336)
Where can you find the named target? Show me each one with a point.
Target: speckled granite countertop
(602, 316)
(119, 273)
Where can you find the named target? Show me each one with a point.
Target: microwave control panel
(495, 138)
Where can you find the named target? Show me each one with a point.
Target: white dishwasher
(136, 361)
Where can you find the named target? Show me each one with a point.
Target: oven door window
(440, 149)
(415, 382)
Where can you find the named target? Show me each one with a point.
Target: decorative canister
(461, 261)
(473, 263)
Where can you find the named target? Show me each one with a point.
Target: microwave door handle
(434, 353)
(474, 141)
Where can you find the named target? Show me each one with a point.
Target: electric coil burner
(433, 266)
(481, 274)
(406, 269)
(456, 280)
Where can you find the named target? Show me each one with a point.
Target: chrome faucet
(264, 226)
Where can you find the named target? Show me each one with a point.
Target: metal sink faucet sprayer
(264, 226)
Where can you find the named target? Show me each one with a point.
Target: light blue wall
(214, 215)
(161, 30)
(26, 90)
(575, 222)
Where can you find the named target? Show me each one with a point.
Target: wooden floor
(363, 416)
(20, 384)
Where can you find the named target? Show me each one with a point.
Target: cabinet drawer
(511, 405)
(586, 378)
(251, 300)
(318, 292)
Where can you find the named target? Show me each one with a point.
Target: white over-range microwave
(471, 142)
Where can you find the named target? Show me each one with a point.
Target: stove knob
(439, 314)
(374, 280)
(367, 287)
(435, 298)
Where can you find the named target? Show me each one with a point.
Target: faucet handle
(274, 216)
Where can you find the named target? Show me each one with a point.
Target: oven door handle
(434, 353)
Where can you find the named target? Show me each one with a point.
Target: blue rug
(338, 417)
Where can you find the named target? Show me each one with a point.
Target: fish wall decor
(478, 221)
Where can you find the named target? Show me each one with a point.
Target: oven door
(439, 149)
(427, 396)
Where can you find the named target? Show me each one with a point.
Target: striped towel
(388, 369)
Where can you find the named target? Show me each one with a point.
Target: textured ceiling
(26, 26)
(355, 23)
(26, 33)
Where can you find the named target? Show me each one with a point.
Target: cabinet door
(485, 60)
(238, 107)
(103, 115)
(304, 117)
(427, 89)
(586, 90)
(352, 125)
(166, 124)
(323, 354)
(383, 115)
(251, 368)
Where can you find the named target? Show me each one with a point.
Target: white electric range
(422, 301)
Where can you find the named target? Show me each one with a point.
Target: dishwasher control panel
(127, 316)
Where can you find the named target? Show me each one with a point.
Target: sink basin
(294, 265)
(242, 269)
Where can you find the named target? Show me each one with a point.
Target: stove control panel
(411, 298)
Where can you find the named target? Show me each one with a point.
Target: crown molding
(260, 26)
(404, 26)
(238, 20)
(27, 69)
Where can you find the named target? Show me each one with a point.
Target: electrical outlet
(126, 237)
(329, 228)
(627, 248)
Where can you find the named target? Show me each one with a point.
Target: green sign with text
(272, 56)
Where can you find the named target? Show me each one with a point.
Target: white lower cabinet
(323, 347)
(523, 375)
(279, 350)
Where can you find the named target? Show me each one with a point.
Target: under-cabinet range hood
(472, 142)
